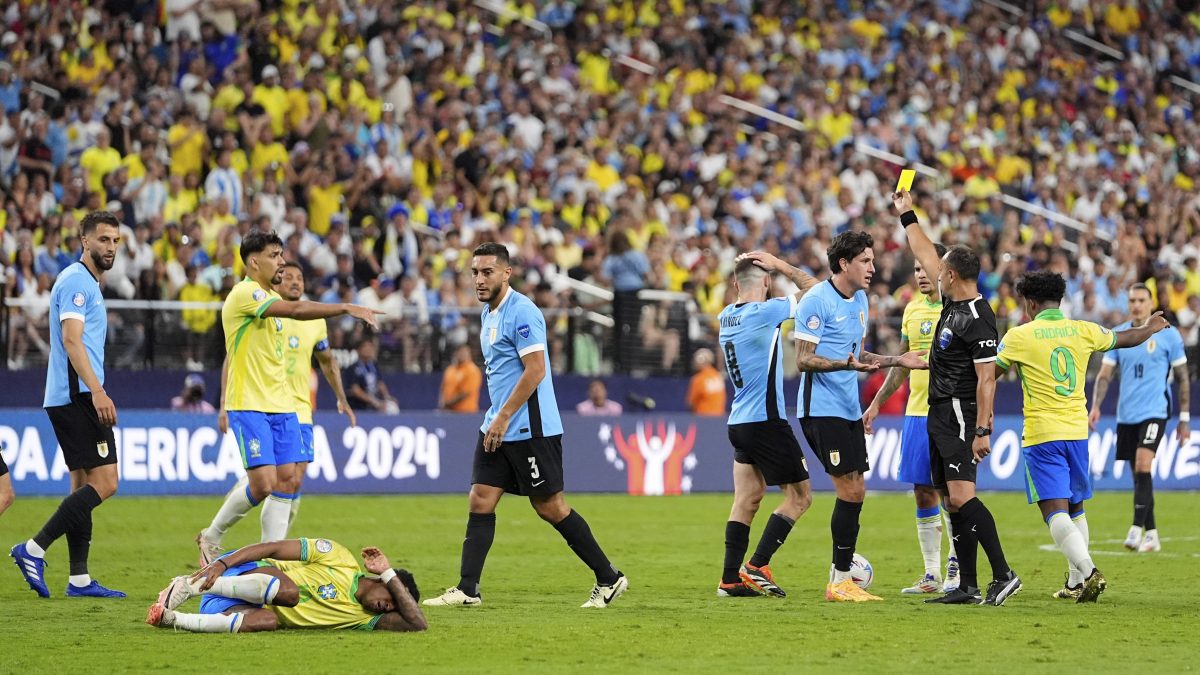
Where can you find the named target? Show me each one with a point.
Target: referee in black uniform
(962, 388)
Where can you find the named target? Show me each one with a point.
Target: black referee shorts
(530, 468)
(771, 446)
(1145, 434)
(950, 440)
(86, 442)
(840, 444)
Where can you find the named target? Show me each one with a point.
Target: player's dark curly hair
(1042, 287)
(963, 261)
(257, 241)
(91, 220)
(847, 246)
(409, 582)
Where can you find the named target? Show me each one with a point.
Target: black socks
(966, 545)
(1143, 500)
(844, 527)
(737, 540)
(74, 519)
(979, 520)
(776, 532)
(481, 531)
(579, 537)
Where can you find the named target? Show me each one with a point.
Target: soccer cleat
(1068, 593)
(1093, 586)
(1002, 589)
(210, 550)
(926, 584)
(847, 591)
(92, 590)
(1150, 542)
(1133, 540)
(761, 579)
(951, 582)
(177, 592)
(160, 616)
(32, 568)
(454, 597)
(957, 596)
(602, 596)
(740, 589)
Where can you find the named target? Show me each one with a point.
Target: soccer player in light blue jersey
(81, 412)
(1143, 408)
(519, 450)
(831, 324)
(766, 451)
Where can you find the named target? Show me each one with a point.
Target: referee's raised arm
(920, 243)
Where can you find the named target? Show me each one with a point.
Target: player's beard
(100, 263)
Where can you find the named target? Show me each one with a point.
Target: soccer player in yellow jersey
(1051, 354)
(256, 401)
(297, 583)
(921, 315)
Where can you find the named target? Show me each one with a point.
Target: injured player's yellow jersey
(327, 575)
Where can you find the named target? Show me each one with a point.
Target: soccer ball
(861, 571)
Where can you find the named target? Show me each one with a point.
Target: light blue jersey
(750, 337)
(75, 296)
(837, 325)
(514, 329)
(1144, 371)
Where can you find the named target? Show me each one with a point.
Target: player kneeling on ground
(296, 583)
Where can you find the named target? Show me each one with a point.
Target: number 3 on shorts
(533, 468)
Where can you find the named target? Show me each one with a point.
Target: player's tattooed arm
(894, 379)
(1183, 431)
(909, 360)
(807, 360)
(407, 615)
(1099, 391)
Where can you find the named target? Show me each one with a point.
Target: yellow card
(906, 180)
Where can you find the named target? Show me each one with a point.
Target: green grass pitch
(669, 621)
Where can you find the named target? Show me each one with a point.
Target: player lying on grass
(295, 583)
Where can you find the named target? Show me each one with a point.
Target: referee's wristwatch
(980, 432)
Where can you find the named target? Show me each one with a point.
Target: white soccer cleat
(951, 582)
(179, 591)
(602, 596)
(1150, 542)
(926, 584)
(453, 597)
(210, 549)
(1133, 540)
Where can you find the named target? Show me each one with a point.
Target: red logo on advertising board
(655, 457)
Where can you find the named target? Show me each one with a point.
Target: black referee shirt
(965, 335)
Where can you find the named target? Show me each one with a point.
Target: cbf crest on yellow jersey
(303, 340)
(254, 343)
(327, 575)
(1051, 355)
(920, 317)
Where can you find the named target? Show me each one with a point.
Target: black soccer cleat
(957, 596)
(1002, 589)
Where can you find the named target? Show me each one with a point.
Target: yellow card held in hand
(906, 179)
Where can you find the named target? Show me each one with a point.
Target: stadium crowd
(383, 141)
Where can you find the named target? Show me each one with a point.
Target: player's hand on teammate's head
(761, 258)
(374, 560)
(902, 200)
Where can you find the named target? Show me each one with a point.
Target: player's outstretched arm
(914, 360)
(285, 549)
(1099, 391)
(408, 616)
(534, 373)
(333, 375)
(1132, 337)
(305, 310)
(807, 361)
(895, 378)
(920, 243)
(770, 263)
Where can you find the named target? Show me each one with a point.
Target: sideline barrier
(164, 453)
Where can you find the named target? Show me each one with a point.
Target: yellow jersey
(920, 318)
(255, 346)
(304, 339)
(327, 575)
(1051, 355)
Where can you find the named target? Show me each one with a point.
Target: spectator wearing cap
(191, 399)
(273, 98)
(397, 250)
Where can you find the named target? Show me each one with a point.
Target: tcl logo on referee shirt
(987, 343)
